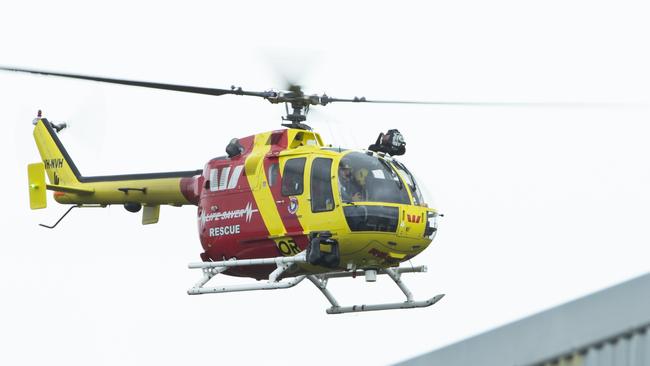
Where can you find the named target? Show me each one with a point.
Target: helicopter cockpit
(369, 178)
(371, 187)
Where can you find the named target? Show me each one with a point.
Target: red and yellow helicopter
(280, 206)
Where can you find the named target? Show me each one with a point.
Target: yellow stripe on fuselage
(262, 194)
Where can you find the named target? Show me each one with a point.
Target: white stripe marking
(223, 181)
(214, 186)
(234, 178)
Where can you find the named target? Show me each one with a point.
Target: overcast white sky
(542, 205)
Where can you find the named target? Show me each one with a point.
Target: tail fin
(149, 189)
(59, 166)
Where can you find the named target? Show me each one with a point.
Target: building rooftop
(574, 328)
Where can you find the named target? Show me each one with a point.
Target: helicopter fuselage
(284, 186)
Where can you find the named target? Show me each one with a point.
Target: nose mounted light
(391, 143)
(432, 225)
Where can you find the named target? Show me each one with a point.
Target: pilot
(350, 189)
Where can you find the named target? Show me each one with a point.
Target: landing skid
(211, 269)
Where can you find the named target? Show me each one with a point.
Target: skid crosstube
(211, 269)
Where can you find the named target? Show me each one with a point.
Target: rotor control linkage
(286, 264)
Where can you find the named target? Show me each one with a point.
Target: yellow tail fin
(61, 171)
(59, 167)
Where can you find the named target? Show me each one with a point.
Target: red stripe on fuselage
(227, 217)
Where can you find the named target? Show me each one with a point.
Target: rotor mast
(299, 103)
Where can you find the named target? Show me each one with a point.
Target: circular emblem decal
(293, 205)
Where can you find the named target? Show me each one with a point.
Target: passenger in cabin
(360, 176)
(350, 188)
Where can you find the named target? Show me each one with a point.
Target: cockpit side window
(410, 181)
(293, 177)
(273, 174)
(322, 198)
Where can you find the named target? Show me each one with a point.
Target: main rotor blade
(488, 104)
(146, 84)
(296, 95)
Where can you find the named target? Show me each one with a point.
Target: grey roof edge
(588, 320)
(626, 333)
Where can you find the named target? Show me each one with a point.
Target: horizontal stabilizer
(69, 189)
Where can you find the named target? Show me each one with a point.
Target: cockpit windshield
(410, 180)
(368, 178)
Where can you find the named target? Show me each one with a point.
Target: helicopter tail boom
(133, 191)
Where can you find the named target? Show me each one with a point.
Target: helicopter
(280, 207)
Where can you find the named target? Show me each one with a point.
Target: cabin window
(322, 198)
(293, 177)
(273, 174)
